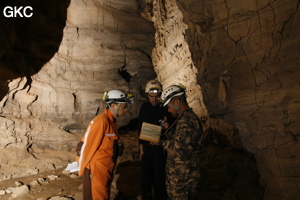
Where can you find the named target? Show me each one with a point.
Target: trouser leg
(160, 175)
(87, 188)
(102, 175)
(146, 178)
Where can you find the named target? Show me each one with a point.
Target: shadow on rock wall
(228, 171)
(27, 43)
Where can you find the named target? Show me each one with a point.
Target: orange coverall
(96, 154)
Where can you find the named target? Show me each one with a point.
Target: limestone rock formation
(57, 65)
(238, 59)
(241, 58)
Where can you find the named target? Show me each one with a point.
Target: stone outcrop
(65, 57)
(28, 43)
(239, 61)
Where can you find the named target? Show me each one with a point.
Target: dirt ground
(63, 186)
(126, 179)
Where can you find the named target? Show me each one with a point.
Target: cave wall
(171, 56)
(26, 43)
(238, 59)
(44, 111)
(240, 63)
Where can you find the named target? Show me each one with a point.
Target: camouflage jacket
(184, 138)
(182, 146)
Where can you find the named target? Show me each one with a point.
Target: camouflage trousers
(182, 182)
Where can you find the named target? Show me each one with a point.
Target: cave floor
(63, 186)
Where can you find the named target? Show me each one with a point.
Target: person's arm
(140, 122)
(92, 140)
(184, 141)
(165, 123)
(141, 151)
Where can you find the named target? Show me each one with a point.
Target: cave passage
(27, 43)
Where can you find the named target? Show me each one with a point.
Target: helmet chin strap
(176, 107)
(116, 112)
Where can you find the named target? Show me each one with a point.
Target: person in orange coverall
(97, 155)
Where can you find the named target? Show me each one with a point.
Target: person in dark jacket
(152, 155)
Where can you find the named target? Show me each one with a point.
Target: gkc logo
(15, 11)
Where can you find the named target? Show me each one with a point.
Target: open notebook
(150, 132)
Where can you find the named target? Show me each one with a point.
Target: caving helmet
(117, 96)
(172, 91)
(153, 86)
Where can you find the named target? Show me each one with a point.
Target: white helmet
(153, 86)
(117, 96)
(170, 92)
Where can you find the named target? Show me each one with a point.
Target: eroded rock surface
(238, 59)
(100, 45)
(240, 63)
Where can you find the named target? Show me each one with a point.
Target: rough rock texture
(171, 56)
(26, 44)
(241, 58)
(238, 59)
(64, 58)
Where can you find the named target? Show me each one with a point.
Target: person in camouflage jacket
(182, 145)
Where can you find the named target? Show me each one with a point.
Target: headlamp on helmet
(129, 98)
(117, 96)
(172, 91)
(153, 86)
